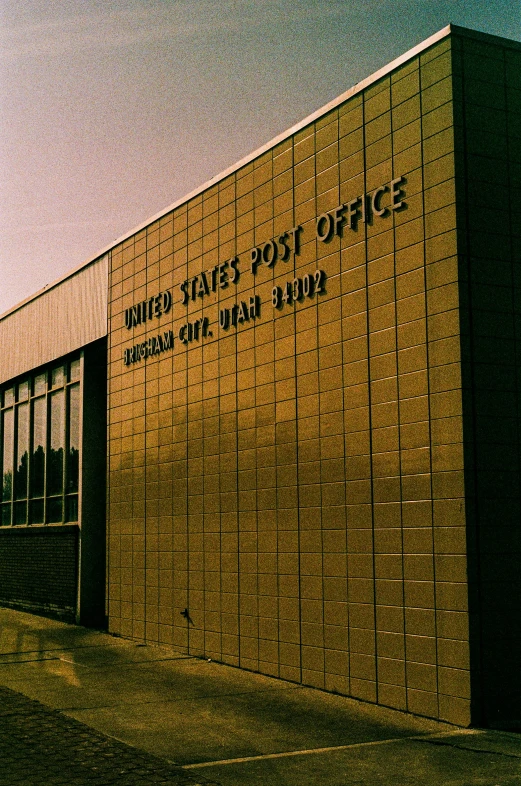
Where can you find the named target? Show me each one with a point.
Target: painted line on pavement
(306, 752)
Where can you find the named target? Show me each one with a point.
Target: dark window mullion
(1, 457)
(47, 439)
(67, 408)
(30, 454)
(47, 447)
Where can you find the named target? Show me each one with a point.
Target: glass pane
(40, 384)
(6, 514)
(71, 508)
(20, 512)
(57, 444)
(57, 377)
(39, 426)
(73, 455)
(22, 452)
(75, 370)
(36, 511)
(54, 510)
(23, 391)
(8, 397)
(7, 454)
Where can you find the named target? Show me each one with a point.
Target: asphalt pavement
(80, 706)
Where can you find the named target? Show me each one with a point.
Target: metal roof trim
(53, 284)
(391, 66)
(290, 131)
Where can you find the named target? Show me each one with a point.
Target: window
(40, 447)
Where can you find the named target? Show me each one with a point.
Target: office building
(300, 387)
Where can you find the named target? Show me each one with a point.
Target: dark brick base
(39, 570)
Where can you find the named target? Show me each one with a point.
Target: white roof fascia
(365, 83)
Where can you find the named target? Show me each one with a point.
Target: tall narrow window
(7, 463)
(57, 377)
(9, 397)
(40, 447)
(73, 454)
(37, 471)
(55, 458)
(21, 476)
(40, 384)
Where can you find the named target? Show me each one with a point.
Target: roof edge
(357, 88)
(478, 35)
(53, 285)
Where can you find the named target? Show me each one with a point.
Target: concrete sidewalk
(232, 727)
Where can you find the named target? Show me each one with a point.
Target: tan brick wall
(296, 482)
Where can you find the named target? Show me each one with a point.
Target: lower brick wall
(39, 570)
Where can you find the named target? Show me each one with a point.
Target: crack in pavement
(466, 748)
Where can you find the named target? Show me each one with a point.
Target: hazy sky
(111, 111)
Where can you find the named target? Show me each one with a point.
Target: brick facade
(39, 570)
(313, 430)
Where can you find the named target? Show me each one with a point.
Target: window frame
(67, 501)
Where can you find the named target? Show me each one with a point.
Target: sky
(112, 111)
